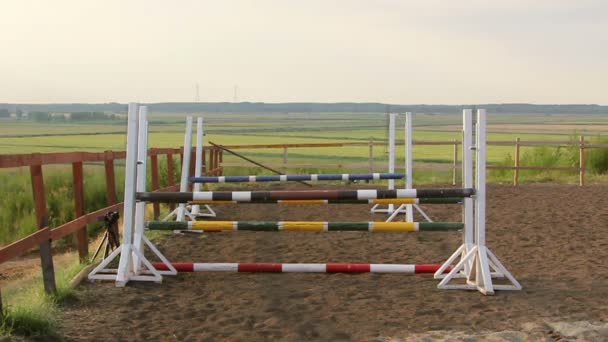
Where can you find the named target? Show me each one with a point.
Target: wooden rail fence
(581, 144)
(43, 237)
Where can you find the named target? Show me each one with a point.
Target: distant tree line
(69, 117)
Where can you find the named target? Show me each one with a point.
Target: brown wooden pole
(516, 169)
(181, 161)
(216, 162)
(210, 165)
(212, 161)
(155, 182)
(170, 175)
(371, 155)
(285, 159)
(192, 165)
(221, 162)
(81, 234)
(170, 170)
(46, 254)
(581, 176)
(181, 158)
(204, 170)
(110, 178)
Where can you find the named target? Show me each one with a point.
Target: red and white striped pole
(301, 268)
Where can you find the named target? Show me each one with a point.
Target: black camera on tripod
(111, 218)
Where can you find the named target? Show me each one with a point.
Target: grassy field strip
(422, 135)
(103, 142)
(357, 133)
(437, 154)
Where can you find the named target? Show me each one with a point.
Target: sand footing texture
(553, 238)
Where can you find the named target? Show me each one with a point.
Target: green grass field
(166, 130)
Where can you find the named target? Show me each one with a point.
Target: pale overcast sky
(452, 52)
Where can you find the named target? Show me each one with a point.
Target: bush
(596, 159)
(27, 323)
(33, 314)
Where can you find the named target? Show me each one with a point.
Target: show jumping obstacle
(261, 196)
(299, 268)
(291, 178)
(473, 263)
(305, 226)
(399, 201)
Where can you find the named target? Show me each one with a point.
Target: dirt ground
(553, 238)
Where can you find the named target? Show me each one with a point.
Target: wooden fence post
(455, 163)
(204, 170)
(46, 255)
(285, 159)
(581, 175)
(181, 157)
(81, 234)
(221, 162)
(192, 165)
(155, 181)
(110, 178)
(210, 164)
(212, 161)
(371, 155)
(216, 159)
(516, 169)
(170, 175)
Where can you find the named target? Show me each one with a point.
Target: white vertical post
(483, 276)
(467, 176)
(140, 207)
(183, 186)
(409, 209)
(198, 163)
(122, 276)
(391, 154)
(480, 186)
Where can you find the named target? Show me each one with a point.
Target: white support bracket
(485, 267)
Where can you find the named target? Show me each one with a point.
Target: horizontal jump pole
(300, 268)
(397, 201)
(304, 226)
(257, 196)
(291, 178)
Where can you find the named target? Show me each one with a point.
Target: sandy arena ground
(553, 238)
